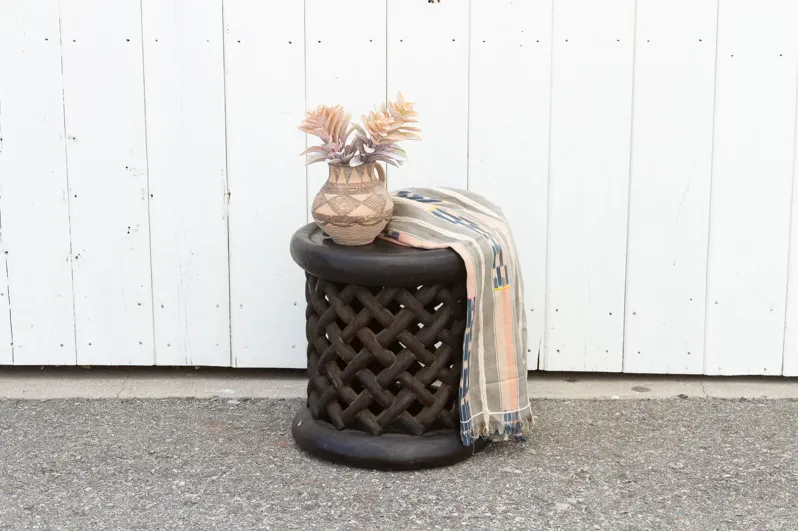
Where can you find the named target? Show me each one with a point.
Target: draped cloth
(493, 399)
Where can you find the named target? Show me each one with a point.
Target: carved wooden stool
(385, 330)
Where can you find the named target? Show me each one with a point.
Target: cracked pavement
(616, 465)
(124, 386)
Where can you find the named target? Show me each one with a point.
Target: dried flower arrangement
(375, 141)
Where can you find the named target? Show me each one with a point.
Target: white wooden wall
(644, 151)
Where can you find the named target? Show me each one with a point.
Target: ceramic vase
(353, 206)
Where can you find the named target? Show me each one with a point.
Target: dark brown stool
(385, 328)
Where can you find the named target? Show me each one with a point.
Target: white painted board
(34, 205)
(6, 339)
(345, 64)
(266, 176)
(107, 162)
(428, 62)
(508, 142)
(669, 189)
(790, 365)
(751, 186)
(589, 180)
(184, 89)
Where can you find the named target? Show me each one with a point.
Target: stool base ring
(389, 451)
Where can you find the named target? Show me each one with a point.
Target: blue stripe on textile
(392, 234)
(465, 407)
(406, 194)
(502, 277)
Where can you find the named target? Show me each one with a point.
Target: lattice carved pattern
(384, 359)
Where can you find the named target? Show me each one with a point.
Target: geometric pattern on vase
(319, 200)
(343, 204)
(375, 202)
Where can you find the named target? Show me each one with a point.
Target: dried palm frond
(391, 123)
(331, 124)
(375, 141)
(404, 112)
(367, 152)
(333, 153)
(382, 129)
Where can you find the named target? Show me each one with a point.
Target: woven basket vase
(353, 206)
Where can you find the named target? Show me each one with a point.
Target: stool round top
(380, 263)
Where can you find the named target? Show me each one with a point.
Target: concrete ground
(230, 463)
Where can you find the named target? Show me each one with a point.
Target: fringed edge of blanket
(499, 429)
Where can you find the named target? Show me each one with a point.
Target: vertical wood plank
(428, 62)
(34, 207)
(669, 190)
(356, 77)
(264, 56)
(107, 164)
(184, 89)
(751, 186)
(790, 365)
(589, 180)
(509, 141)
(6, 339)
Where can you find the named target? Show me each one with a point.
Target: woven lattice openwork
(384, 359)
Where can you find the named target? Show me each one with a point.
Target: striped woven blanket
(493, 396)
